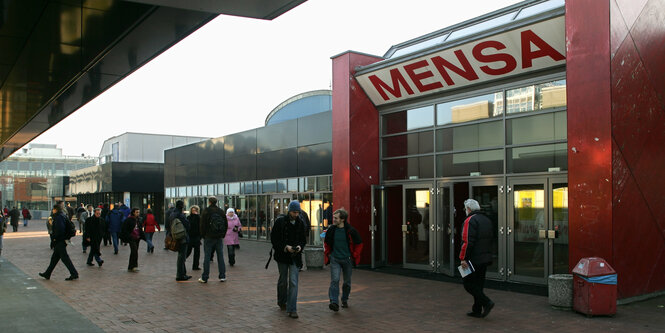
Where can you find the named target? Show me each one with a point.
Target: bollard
(560, 291)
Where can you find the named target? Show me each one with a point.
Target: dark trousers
(94, 253)
(231, 249)
(134, 254)
(182, 255)
(60, 253)
(194, 245)
(107, 238)
(474, 284)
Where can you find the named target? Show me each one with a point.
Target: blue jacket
(115, 219)
(125, 211)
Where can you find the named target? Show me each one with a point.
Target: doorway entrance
(529, 217)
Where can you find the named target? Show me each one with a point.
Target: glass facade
(508, 131)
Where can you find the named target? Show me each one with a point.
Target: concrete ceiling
(55, 56)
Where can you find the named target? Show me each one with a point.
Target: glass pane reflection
(468, 109)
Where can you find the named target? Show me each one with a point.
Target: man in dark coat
(59, 239)
(476, 253)
(14, 216)
(93, 234)
(288, 241)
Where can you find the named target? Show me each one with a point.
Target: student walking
(342, 248)
(232, 234)
(132, 233)
(149, 226)
(93, 234)
(59, 239)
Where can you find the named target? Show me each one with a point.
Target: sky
(227, 76)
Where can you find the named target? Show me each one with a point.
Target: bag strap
(269, 258)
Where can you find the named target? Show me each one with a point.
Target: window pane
(468, 137)
(536, 97)
(409, 168)
(403, 121)
(538, 128)
(474, 108)
(538, 158)
(486, 162)
(408, 144)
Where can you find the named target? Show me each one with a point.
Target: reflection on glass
(538, 158)
(529, 218)
(485, 162)
(468, 109)
(420, 118)
(417, 226)
(560, 226)
(408, 144)
(409, 168)
(536, 97)
(536, 128)
(476, 136)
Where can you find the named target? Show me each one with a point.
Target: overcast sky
(227, 76)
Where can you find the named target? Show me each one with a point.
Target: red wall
(616, 122)
(355, 143)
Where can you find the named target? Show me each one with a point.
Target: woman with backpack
(232, 234)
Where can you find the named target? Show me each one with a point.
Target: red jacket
(150, 223)
(354, 240)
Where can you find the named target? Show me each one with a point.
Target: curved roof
(300, 105)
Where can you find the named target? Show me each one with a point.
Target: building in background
(37, 176)
(259, 171)
(130, 170)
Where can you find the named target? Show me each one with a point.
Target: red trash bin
(594, 287)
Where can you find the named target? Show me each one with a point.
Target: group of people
(14, 215)
(342, 246)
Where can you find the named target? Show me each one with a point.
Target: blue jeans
(335, 266)
(25, 222)
(114, 236)
(216, 244)
(148, 239)
(287, 286)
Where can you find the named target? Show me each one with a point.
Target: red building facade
(602, 200)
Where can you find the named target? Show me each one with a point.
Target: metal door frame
(501, 222)
(405, 187)
(438, 233)
(379, 204)
(272, 210)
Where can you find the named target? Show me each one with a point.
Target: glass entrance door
(489, 194)
(537, 228)
(278, 205)
(416, 226)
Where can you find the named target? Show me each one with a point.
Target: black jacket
(284, 233)
(477, 237)
(94, 229)
(127, 228)
(194, 224)
(204, 225)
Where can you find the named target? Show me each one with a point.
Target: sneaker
(185, 278)
(345, 304)
(487, 309)
(135, 269)
(281, 306)
(222, 280)
(292, 314)
(202, 280)
(333, 306)
(48, 277)
(73, 277)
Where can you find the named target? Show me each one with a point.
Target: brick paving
(152, 301)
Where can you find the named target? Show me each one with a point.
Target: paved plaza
(110, 299)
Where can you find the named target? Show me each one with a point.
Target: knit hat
(294, 206)
(230, 210)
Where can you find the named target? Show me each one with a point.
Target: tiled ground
(152, 301)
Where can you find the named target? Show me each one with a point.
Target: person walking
(3, 229)
(213, 229)
(194, 236)
(342, 248)
(93, 234)
(232, 235)
(181, 270)
(114, 221)
(87, 213)
(476, 252)
(59, 239)
(26, 216)
(149, 228)
(104, 216)
(13, 217)
(288, 241)
(132, 233)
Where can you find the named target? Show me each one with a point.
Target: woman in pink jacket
(231, 239)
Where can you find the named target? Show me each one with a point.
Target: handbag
(171, 243)
(136, 234)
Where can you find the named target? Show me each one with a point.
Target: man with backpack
(288, 241)
(213, 229)
(62, 231)
(180, 232)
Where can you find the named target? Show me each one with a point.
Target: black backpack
(71, 229)
(218, 225)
